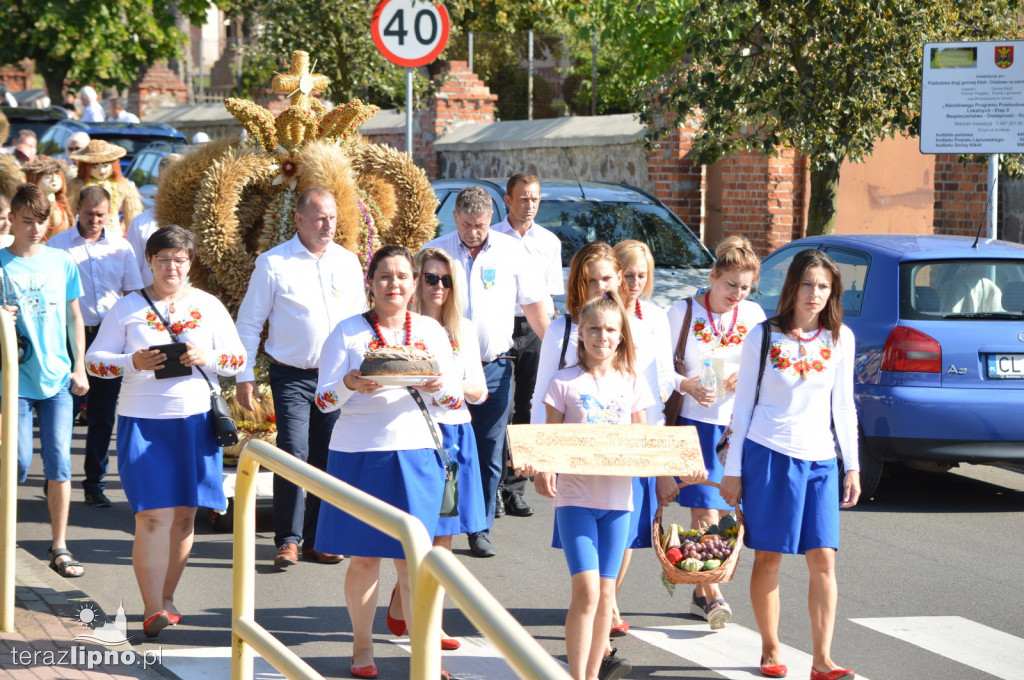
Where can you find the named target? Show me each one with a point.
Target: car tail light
(907, 349)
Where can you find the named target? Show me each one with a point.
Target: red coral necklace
(711, 317)
(801, 339)
(639, 312)
(408, 328)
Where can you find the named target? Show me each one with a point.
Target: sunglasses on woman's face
(433, 279)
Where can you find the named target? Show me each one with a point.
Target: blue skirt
(170, 462)
(411, 480)
(472, 514)
(789, 505)
(645, 506)
(702, 495)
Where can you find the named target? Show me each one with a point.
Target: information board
(972, 97)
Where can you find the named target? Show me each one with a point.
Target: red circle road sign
(410, 33)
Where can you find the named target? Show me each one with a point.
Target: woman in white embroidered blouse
(381, 443)
(720, 319)
(781, 457)
(167, 458)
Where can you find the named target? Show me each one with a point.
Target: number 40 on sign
(410, 33)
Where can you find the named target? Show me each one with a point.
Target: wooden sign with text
(621, 450)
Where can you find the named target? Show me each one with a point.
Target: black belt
(92, 329)
(294, 368)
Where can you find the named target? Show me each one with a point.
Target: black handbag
(224, 430)
(450, 495)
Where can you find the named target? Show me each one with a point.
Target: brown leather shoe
(287, 556)
(311, 555)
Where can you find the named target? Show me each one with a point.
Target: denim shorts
(55, 420)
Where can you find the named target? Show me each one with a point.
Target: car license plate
(1006, 366)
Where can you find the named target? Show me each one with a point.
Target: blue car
(133, 137)
(939, 322)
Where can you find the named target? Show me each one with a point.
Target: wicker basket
(722, 574)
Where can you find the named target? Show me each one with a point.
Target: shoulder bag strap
(677, 358)
(565, 341)
(766, 343)
(431, 425)
(174, 337)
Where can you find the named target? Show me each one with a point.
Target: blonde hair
(630, 253)
(451, 310)
(625, 355)
(736, 254)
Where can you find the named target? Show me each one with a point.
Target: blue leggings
(593, 539)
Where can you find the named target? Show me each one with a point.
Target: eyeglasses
(166, 262)
(432, 280)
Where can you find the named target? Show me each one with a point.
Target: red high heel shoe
(396, 626)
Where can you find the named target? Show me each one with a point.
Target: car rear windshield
(132, 145)
(577, 223)
(962, 289)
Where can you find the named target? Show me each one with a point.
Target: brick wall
(159, 86)
(461, 98)
(19, 76)
(961, 195)
(676, 178)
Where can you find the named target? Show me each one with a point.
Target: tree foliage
(826, 77)
(108, 42)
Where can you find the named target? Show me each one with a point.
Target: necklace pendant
(803, 376)
(803, 351)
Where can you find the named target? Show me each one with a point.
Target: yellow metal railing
(432, 572)
(9, 468)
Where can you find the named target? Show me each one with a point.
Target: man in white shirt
(117, 114)
(303, 287)
(497, 275)
(106, 265)
(522, 196)
(92, 112)
(143, 226)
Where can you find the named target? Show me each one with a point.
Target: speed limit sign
(410, 33)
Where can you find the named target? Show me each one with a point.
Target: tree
(108, 42)
(825, 77)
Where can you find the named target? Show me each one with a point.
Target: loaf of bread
(399, 360)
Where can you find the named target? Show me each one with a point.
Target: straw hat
(45, 165)
(99, 151)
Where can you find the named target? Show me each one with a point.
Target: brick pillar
(159, 86)
(961, 196)
(677, 178)
(763, 198)
(461, 98)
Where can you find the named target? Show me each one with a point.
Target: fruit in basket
(731, 543)
(673, 537)
(710, 538)
(708, 565)
(674, 555)
(691, 564)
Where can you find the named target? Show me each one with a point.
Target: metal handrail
(8, 468)
(431, 572)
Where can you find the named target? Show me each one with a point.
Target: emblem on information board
(1004, 56)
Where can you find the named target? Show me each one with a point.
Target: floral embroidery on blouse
(230, 361)
(104, 370)
(450, 402)
(702, 333)
(325, 400)
(376, 344)
(177, 327)
(799, 365)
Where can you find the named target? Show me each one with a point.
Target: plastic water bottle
(708, 377)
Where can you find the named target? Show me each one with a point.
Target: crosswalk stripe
(733, 652)
(954, 637)
(210, 663)
(477, 659)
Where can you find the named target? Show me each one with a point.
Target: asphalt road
(928, 575)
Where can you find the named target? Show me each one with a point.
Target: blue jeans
(55, 420)
(489, 421)
(304, 431)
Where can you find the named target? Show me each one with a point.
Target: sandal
(699, 606)
(718, 614)
(64, 567)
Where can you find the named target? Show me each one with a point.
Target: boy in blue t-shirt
(41, 287)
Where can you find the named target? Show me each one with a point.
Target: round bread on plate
(399, 360)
